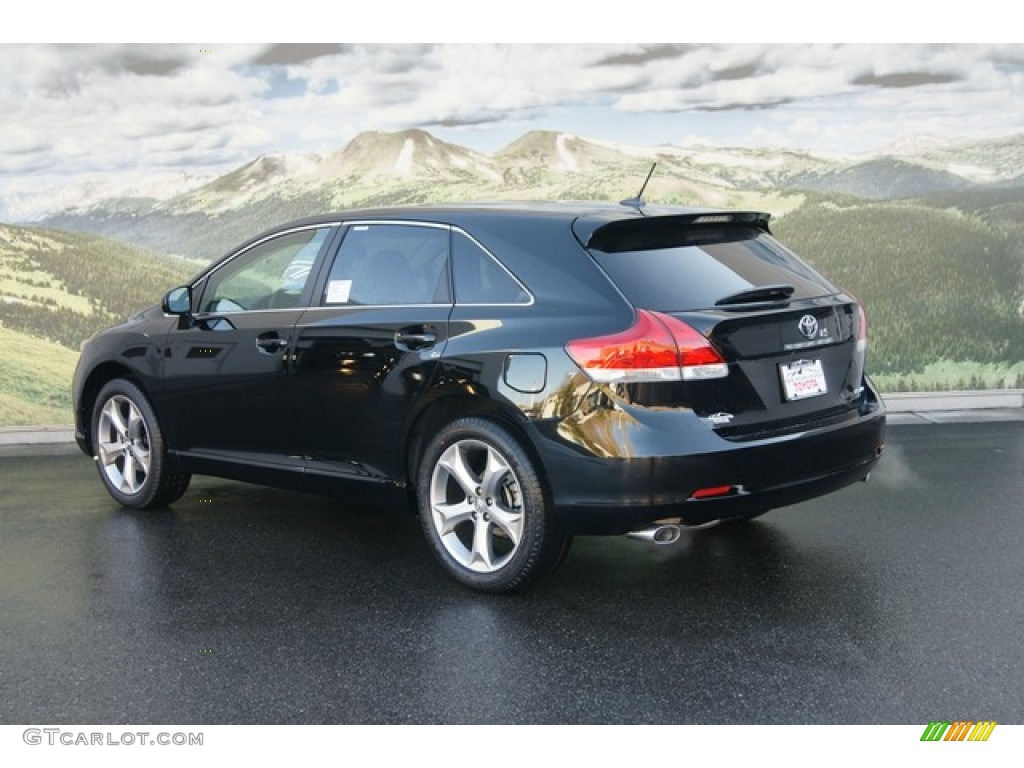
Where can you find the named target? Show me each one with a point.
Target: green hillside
(938, 284)
(56, 290)
(65, 286)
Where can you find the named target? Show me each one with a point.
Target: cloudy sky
(135, 112)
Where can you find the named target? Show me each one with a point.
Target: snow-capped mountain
(49, 196)
(998, 161)
(414, 166)
(266, 175)
(404, 155)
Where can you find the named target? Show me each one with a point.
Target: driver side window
(270, 275)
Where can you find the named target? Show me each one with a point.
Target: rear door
(370, 347)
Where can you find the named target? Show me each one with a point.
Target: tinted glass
(709, 264)
(479, 279)
(380, 264)
(271, 275)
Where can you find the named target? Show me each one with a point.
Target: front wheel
(483, 508)
(130, 451)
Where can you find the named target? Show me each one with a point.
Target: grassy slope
(937, 284)
(65, 286)
(57, 289)
(35, 380)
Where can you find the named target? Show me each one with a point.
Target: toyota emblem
(808, 326)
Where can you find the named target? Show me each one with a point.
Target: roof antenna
(638, 201)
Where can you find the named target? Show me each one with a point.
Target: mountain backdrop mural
(929, 234)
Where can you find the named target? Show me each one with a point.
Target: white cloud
(107, 109)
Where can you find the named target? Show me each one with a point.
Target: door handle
(418, 339)
(271, 344)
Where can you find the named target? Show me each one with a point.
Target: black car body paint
(338, 378)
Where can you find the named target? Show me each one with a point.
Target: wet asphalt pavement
(896, 601)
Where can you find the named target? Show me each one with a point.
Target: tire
(484, 510)
(130, 451)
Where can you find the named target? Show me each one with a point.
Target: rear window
(695, 267)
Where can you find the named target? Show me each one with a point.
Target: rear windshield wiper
(760, 293)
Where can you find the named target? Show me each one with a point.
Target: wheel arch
(96, 380)
(446, 409)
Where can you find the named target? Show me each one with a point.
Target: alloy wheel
(124, 444)
(476, 506)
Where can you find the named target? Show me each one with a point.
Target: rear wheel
(483, 508)
(130, 449)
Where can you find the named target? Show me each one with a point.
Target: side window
(271, 275)
(479, 279)
(380, 264)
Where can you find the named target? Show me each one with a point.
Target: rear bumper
(607, 495)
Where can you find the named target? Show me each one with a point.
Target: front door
(225, 369)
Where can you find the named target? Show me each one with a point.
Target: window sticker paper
(338, 291)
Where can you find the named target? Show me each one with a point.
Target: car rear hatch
(783, 349)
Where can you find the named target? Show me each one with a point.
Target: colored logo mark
(958, 730)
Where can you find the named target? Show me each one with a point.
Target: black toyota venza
(522, 372)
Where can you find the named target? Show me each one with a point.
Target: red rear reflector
(714, 490)
(656, 347)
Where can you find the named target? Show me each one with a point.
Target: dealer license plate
(803, 379)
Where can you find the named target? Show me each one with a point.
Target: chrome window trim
(205, 315)
(230, 258)
(399, 222)
(336, 307)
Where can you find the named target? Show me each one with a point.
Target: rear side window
(698, 266)
(479, 279)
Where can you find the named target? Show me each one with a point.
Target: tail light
(657, 347)
(862, 329)
(859, 351)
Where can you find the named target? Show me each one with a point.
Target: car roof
(453, 213)
(584, 217)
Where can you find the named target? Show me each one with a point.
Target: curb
(50, 434)
(966, 400)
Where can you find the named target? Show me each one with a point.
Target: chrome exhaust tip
(657, 534)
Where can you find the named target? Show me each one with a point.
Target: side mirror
(178, 301)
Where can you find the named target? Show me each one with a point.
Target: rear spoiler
(650, 232)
